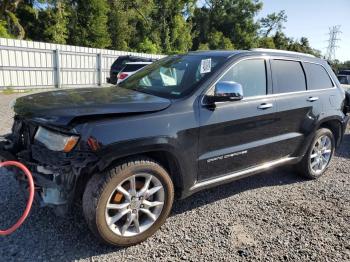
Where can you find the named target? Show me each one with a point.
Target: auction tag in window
(205, 66)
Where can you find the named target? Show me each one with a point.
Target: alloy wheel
(135, 205)
(321, 154)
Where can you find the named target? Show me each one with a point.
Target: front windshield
(174, 76)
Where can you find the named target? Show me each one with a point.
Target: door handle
(265, 106)
(312, 98)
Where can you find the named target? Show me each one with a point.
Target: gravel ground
(274, 216)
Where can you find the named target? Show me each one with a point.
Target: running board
(244, 173)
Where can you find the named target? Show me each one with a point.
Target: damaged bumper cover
(55, 173)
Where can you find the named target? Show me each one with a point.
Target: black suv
(180, 125)
(119, 64)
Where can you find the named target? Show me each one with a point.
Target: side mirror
(226, 91)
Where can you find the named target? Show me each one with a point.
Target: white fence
(29, 65)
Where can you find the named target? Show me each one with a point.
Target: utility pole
(334, 31)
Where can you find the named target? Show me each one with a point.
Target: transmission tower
(334, 31)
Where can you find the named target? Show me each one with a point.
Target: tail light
(122, 76)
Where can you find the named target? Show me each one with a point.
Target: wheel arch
(335, 125)
(163, 157)
(166, 158)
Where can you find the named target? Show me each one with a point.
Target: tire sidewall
(103, 229)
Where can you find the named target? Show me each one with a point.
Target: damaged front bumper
(55, 174)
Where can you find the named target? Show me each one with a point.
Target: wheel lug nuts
(142, 206)
(134, 210)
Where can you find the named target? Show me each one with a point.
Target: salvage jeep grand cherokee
(181, 124)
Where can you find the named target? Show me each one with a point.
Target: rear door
(240, 134)
(297, 107)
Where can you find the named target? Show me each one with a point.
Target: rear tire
(318, 156)
(119, 194)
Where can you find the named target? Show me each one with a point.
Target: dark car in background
(344, 77)
(179, 125)
(120, 63)
(129, 69)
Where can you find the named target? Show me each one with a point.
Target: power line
(334, 31)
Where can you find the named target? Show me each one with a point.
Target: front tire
(316, 160)
(128, 203)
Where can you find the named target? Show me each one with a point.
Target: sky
(312, 19)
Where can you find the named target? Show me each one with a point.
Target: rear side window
(317, 77)
(251, 74)
(132, 68)
(288, 76)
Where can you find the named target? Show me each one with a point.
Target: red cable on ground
(30, 199)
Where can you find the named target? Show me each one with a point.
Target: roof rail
(279, 51)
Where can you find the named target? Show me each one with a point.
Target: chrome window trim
(269, 96)
(266, 58)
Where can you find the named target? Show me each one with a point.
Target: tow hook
(30, 198)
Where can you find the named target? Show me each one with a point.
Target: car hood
(62, 106)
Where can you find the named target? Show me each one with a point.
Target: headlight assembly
(56, 141)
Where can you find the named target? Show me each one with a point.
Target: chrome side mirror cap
(226, 91)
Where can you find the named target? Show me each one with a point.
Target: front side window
(317, 77)
(174, 76)
(251, 74)
(288, 76)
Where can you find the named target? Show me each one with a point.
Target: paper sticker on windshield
(205, 66)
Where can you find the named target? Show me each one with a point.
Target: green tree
(273, 22)
(217, 40)
(53, 22)
(130, 25)
(88, 24)
(345, 65)
(266, 42)
(181, 39)
(203, 46)
(8, 9)
(169, 21)
(118, 26)
(303, 46)
(235, 19)
(281, 41)
(152, 26)
(200, 27)
(147, 46)
(29, 17)
(3, 30)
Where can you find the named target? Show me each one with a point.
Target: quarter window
(317, 77)
(251, 74)
(288, 76)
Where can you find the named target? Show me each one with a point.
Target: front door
(239, 134)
